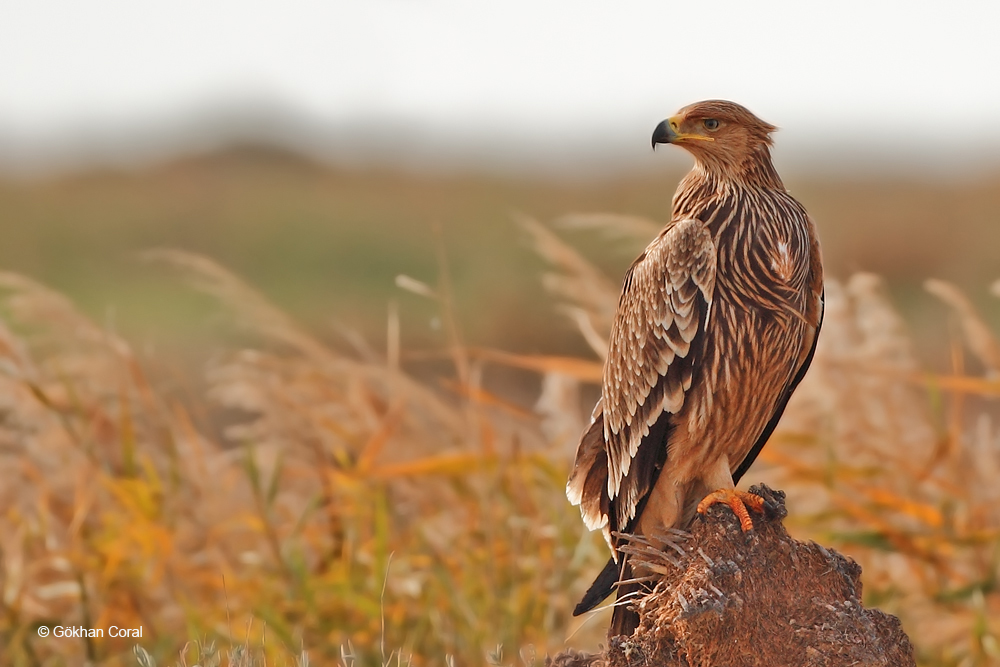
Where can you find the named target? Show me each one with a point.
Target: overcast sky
(566, 77)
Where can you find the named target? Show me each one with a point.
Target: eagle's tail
(602, 587)
(623, 620)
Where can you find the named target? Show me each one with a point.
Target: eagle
(716, 325)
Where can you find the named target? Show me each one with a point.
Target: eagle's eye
(711, 124)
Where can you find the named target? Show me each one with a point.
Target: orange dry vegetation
(364, 516)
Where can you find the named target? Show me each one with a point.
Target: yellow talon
(738, 501)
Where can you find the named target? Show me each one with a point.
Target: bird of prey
(716, 325)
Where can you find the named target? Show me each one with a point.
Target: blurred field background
(327, 242)
(261, 405)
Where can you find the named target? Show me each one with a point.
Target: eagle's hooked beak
(666, 133)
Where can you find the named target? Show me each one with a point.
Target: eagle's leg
(738, 501)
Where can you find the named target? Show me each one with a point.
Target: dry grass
(373, 518)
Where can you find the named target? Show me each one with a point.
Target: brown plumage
(716, 325)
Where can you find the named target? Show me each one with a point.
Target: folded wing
(656, 342)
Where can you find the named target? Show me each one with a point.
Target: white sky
(910, 76)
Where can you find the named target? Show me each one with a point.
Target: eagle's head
(719, 134)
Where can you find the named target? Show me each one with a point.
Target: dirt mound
(758, 598)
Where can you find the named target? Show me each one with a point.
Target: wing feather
(656, 339)
(587, 485)
(815, 308)
(660, 323)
